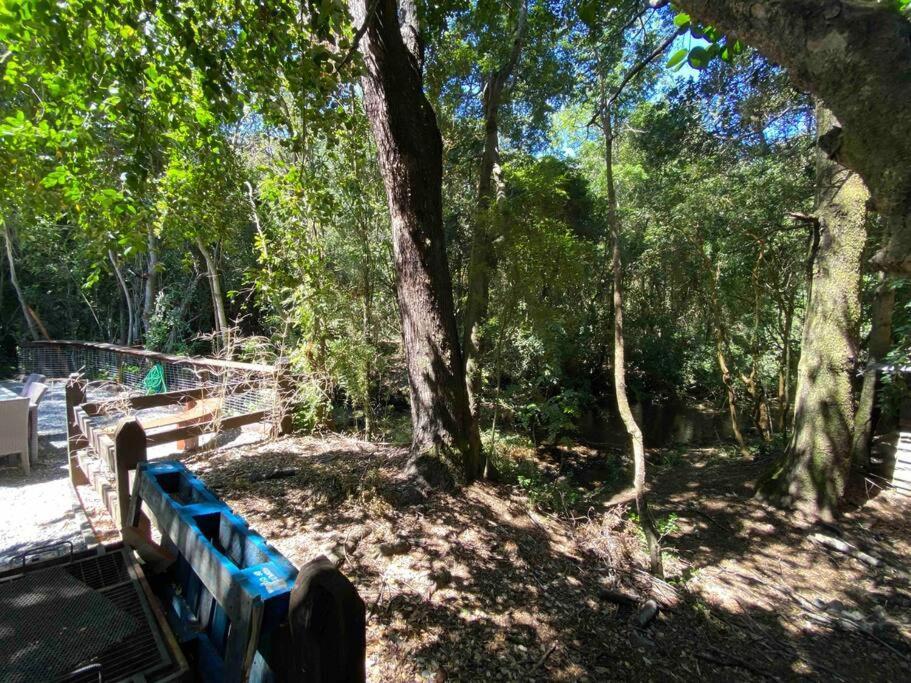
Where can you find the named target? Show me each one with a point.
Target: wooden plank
(169, 397)
(208, 427)
(206, 409)
(99, 482)
(129, 451)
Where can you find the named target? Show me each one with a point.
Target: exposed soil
(477, 585)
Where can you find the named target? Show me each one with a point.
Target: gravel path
(40, 509)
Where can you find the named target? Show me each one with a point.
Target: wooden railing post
(129, 451)
(75, 439)
(284, 397)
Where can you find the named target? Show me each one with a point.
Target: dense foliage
(217, 155)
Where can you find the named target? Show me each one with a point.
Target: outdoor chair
(14, 430)
(36, 391)
(31, 379)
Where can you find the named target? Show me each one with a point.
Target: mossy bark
(813, 471)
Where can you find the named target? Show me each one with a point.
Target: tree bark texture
(410, 152)
(877, 347)
(491, 192)
(814, 469)
(623, 407)
(854, 55)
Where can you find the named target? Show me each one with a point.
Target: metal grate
(142, 654)
(50, 622)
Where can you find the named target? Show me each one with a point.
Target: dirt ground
(478, 585)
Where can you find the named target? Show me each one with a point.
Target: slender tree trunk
(878, 346)
(410, 152)
(218, 300)
(760, 412)
(35, 328)
(784, 381)
(623, 407)
(151, 283)
(727, 377)
(813, 471)
(491, 193)
(128, 337)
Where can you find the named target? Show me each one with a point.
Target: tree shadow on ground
(474, 585)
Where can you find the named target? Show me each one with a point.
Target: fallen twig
(543, 658)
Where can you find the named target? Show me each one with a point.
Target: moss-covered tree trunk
(855, 55)
(878, 346)
(813, 471)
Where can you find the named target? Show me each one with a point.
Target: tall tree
(410, 153)
(491, 192)
(35, 327)
(814, 469)
(623, 407)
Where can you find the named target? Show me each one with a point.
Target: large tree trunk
(410, 152)
(877, 348)
(814, 469)
(491, 192)
(222, 328)
(35, 328)
(623, 407)
(855, 55)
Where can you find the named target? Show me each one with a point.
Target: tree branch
(357, 36)
(632, 73)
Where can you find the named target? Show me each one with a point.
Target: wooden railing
(119, 444)
(127, 365)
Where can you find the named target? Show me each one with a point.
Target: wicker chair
(14, 430)
(36, 391)
(31, 379)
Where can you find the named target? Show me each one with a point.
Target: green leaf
(682, 20)
(699, 58)
(677, 57)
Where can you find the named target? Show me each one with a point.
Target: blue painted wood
(228, 589)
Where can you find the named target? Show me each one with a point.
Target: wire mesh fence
(116, 371)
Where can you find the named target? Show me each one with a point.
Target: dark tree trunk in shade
(855, 56)
(813, 471)
(410, 152)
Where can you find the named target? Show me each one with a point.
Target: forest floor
(480, 584)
